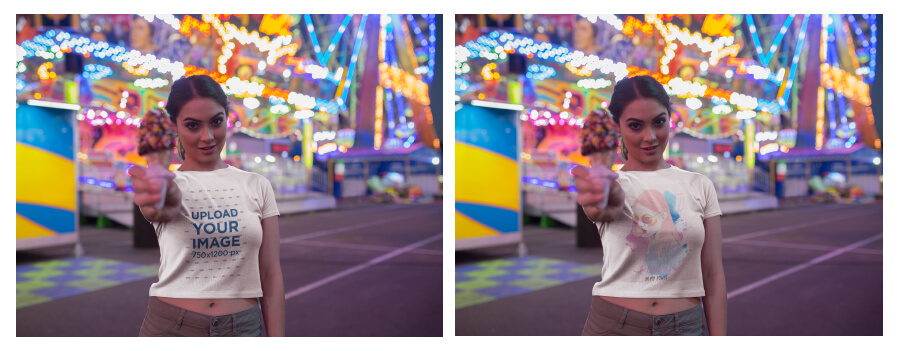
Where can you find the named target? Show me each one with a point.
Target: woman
(661, 235)
(217, 230)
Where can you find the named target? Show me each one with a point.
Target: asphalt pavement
(805, 269)
(360, 270)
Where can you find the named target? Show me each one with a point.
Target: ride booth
(489, 182)
(46, 197)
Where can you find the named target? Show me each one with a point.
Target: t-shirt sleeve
(268, 207)
(711, 204)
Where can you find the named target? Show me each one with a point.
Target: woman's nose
(650, 135)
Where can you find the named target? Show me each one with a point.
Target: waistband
(194, 319)
(635, 318)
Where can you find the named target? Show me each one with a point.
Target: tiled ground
(491, 280)
(50, 280)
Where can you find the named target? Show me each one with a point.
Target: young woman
(661, 235)
(217, 230)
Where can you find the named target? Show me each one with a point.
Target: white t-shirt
(211, 249)
(652, 250)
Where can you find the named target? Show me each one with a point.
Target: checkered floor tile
(50, 280)
(491, 280)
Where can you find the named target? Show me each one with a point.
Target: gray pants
(607, 318)
(163, 319)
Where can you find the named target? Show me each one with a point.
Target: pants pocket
(249, 324)
(598, 325)
(154, 325)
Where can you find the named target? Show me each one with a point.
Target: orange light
(296, 158)
(738, 158)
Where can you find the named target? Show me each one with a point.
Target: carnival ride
(368, 88)
(768, 83)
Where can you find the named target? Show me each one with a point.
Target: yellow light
(379, 111)
(820, 119)
(37, 95)
(481, 96)
(616, 167)
(44, 71)
(784, 148)
(409, 85)
(488, 71)
(845, 83)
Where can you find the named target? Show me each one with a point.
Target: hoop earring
(180, 149)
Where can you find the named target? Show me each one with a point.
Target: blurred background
(782, 112)
(341, 113)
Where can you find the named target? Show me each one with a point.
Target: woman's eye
(660, 121)
(634, 126)
(217, 121)
(191, 125)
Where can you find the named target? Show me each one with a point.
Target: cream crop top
(652, 250)
(211, 249)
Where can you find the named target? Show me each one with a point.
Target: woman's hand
(590, 195)
(148, 193)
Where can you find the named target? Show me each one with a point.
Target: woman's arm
(272, 301)
(715, 305)
(590, 194)
(148, 193)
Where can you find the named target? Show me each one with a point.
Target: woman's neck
(191, 165)
(633, 164)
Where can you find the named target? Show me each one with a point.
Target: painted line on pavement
(806, 246)
(366, 247)
(800, 267)
(331, 231)
(359, 267)
(781, 229)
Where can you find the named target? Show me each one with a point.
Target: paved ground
(363, 270)
(806, 269)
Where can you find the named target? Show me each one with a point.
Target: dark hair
(637, 87)
(595, 31)
(188, 88)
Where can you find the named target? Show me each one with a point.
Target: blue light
(356, 46)
(794, 61)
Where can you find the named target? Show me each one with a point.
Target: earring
(624, 150)
(180, 149)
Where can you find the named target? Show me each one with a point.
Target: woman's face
(201, 130)
(584, 35)
(644, 126)
(140, 34)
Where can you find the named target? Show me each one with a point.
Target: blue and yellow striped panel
(487, 172)
(45, 172)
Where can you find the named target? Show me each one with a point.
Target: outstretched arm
(715, 304)
(272, 302)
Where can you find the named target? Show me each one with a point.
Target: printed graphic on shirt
(215, 238)
(657, 235)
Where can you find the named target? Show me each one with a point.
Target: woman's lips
(208, 150)
(650, 150)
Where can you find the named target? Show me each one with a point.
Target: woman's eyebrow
(197, 120)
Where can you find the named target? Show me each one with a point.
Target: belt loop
(180, 320)
(675, 321)
(622, 319)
